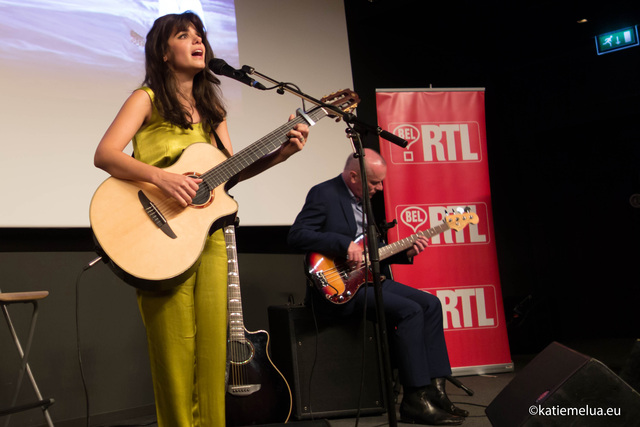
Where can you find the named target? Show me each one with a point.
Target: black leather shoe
(441, 400)
(417, 408)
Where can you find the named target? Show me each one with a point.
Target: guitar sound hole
(240, 352)
(203, 195)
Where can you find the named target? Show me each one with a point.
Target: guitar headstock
(458, 221)
(345, 99)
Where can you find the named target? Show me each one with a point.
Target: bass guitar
(339, 280)
(152, 242)
(257, 392)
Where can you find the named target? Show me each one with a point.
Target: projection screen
(67, 67)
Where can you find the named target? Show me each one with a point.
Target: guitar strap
(219, 143)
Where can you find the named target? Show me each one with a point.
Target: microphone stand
(372, 257)
(372, 241)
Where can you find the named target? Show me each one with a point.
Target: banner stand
(482, 370)
(442, 171)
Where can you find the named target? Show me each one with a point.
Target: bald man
(329, 223)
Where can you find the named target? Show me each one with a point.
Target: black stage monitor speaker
(561, 387)
(324, 369)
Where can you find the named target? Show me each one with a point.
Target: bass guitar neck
(338, 280)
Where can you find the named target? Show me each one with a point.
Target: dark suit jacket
(326, 223)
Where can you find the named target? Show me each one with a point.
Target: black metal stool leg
(25, 369)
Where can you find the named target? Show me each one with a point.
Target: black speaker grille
(324, 366)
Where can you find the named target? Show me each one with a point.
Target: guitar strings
(340, 270)
(260, 148)
(221, 173)
(169, 208)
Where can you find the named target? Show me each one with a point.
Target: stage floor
(611, 352)
(485, 388)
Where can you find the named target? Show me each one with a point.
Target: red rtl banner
(441, 172)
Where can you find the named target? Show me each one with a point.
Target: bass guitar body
(257, 392)
(149, 240)
(335, 277)
(338, 280)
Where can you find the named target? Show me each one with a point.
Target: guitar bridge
(243, 390)
(155, 215)
(322, 279)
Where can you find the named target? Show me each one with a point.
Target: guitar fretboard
(247, 156)
(234, 305)
(407, 242)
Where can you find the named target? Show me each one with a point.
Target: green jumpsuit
(187, 326)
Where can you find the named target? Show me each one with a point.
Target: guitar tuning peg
(460, 210)
(467, 209)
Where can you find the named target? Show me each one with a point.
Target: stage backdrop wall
(444, 167)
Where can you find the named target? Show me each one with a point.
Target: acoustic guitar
(338, 280)
(257, 392)
(154, 243)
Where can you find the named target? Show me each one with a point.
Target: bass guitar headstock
(463, 217)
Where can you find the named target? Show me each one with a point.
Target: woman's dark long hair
(160, 78)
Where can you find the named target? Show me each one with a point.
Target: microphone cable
(79, 353)
(85, 388)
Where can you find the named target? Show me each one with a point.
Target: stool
(24, 298)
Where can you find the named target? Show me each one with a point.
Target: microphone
(221, 68)
(392, 138)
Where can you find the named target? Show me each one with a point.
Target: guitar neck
(247, 156)
(407, 242)
(234, 305)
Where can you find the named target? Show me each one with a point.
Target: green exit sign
(616, 40)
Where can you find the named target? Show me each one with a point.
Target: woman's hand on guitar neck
(297, 138)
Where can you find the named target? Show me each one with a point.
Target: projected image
(109, 35)
(66, 67)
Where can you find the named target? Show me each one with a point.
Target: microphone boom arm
(346, 116)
